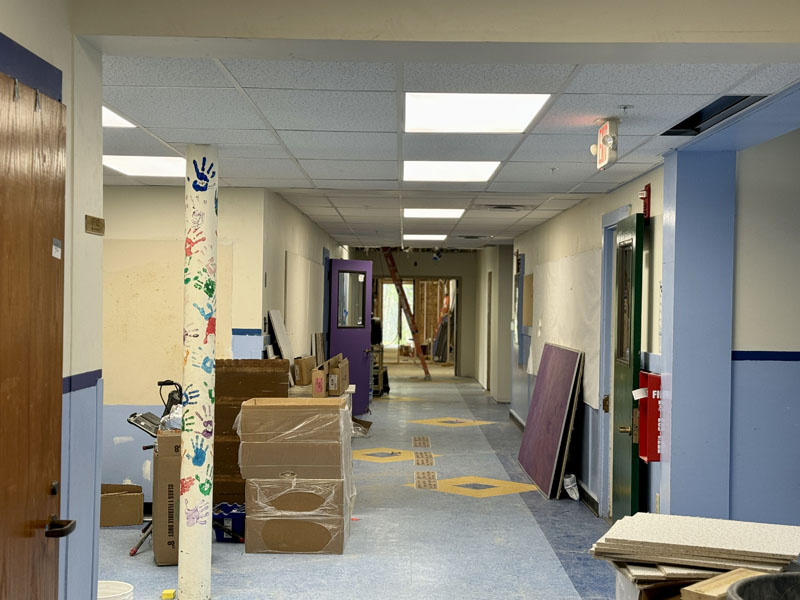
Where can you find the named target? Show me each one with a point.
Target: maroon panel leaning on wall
(553, 395)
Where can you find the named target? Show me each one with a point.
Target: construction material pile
(651, 547)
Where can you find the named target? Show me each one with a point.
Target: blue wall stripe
(764, 355)
(19, 63)
(246, 331)
(81, 381)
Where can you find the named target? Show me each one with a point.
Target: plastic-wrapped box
(290, 420)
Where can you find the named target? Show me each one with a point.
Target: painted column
(199, 337)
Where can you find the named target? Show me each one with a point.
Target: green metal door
(626, 359)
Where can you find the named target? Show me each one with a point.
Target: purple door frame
(353, 342)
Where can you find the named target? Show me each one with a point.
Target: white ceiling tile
(652, 151)
(534, 186)
(443, 186)
(133, 142)
(119, 180)
(567, 148)
(498, 216)
(350, 169)
(326, 219)
(649, 115)
(216, 136)
(545, 172)
(341, 145)
(370, 212)
(476, 227)
(434, 202)
(162, 72)
(375, 220)
(458, 146)
(361, 193)
(311, 75)
(353, 184)
(596, 188)
(530, 79)
(327, 110)
(620, 173)
(657, 79)
(251, 151)
(307, 200)
(426, 227)
(769, 79)
(502, 199)
(184, 108)
(269, 183)
(541, 213)
(347, 203)
(259, 168)
(318, 211)
(561, 203)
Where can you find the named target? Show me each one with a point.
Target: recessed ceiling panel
(646, 115)
(544, 172)
(319, 211)
(152, 71)
(383, 221)
(259, 168)
(362, 203)
(657, 79)
(434, 202)
(496, 216)
(310, 75)
(458, 146)
(371, 212)
(532, 186)
(216, 136)
(245, 150)
(341, 145)
(189, 108)
(306, 200)
(767, 80)
(354, 184)
(350, 169)
(596, 187)
(133, 142)
(520, 79)
(308, 110)
(274, 183)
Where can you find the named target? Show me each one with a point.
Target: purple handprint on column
(203, 176)
(200, 450)
(208, 422)
(198, 514)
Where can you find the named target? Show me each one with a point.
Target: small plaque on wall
(95, 225)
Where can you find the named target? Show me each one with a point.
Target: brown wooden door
(32, 165)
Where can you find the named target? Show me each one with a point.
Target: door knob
(623, 429)
(56, 528)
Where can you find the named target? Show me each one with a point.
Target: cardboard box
(166, 497)
(291, 419)
(291, 471)
(303, 365)
(339, 378)
(628, 590)
(319, 381)
(716, 588)
(296, 497)
(251, 378)
(317, 454)
(121, 505)
(320, 535)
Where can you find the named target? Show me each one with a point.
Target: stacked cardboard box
(166, 495)
(238, 380)
(295, 455)
(331, 378)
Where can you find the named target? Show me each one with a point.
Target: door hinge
(605, 404)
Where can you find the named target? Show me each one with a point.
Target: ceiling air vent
(472, 237)
(507, 207)
(713, 114)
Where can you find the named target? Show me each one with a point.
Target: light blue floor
(412, 543)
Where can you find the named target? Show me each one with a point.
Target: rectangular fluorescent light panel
(147, 166)
(449, 170)
(112, 119)
(423, 237)
(471, 113)
(433, 213)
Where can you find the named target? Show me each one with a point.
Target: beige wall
(732, 21)
(43, 27)
(499, 260)
(767, 262)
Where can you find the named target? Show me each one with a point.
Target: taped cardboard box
(291, 419)
(296, 497)
(121, 505)
(303, 366)
(166, 496)
(339, 378)
(303, 535)
(320, 454)
(319, 380)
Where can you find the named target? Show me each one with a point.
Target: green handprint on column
(205, 486)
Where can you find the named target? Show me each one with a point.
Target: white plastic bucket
(114, 590)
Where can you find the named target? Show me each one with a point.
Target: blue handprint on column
(200, 449)
(190, 395)
(203, 174)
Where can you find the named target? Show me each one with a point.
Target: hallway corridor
(477, 537)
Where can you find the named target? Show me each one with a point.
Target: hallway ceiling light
(471, 113)
(112, 119)
(433, 213)
(449, 170)
(423, 237)
(146, 166)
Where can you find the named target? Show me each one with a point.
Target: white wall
(767, 274)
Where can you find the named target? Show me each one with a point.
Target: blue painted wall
(123, 457)
(247, 343)
(765, 441)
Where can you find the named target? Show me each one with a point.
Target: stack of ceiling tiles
(653, 548)
(295, 455)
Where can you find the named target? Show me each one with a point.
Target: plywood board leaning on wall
(143, 315)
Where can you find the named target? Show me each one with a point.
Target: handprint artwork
(199, 457)
(205, 486)
(198, 514)
(208, 422)
(203, 175)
